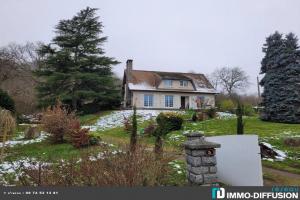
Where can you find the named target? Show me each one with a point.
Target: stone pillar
(201, 160)
(194, 136)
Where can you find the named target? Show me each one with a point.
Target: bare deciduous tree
(16, 64)
(23, 56)
(230, 79)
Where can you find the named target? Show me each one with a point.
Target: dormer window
(184, 83)
(168, 83)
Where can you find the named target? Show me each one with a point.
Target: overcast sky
(166, 35)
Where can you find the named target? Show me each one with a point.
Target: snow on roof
(141, 86)
(150, 80)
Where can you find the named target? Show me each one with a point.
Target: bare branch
(230, 79)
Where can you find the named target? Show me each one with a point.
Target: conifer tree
(133, 136)
(74, 67)
(281, 67)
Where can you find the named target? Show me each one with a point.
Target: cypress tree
(281, 69)
(133, 136)
(74, 67)
(240, 124)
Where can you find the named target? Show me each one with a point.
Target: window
(168, 83)
(148, 100)
(168, 101)
(184, 83)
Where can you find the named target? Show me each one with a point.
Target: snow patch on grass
(116, 118)
(21, 141)
(225, 115)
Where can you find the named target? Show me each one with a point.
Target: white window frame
(169, 101)
(184, 83)
(168, 83)
(148, 100)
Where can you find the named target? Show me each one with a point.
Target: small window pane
(168, 101)
(168, 83)
(183, 83)
(148, 100)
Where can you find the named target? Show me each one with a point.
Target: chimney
(128, 69)
(129, 65)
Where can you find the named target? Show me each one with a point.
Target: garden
(101, 149)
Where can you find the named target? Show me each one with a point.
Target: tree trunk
(74, 104)
(240, 124)
(158, 150)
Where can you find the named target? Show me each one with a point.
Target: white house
(166, 90)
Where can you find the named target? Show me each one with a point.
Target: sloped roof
(150, 80)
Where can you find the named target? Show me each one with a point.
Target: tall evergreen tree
(281, 67)
(74, 66)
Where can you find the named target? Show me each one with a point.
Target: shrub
(127, 124)
(227, 106)
(194, 117)
(56, 121)
(94, 139)
(7, 128)
(79, 136)
(121, 169)
(6, 101)
(169, 121)
(32, 132)
(149, 130)
(248, 110)
(211, 113)
(7, 123)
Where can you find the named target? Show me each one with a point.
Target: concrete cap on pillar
(200, 144)
(195, 135)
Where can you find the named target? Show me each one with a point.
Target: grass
(91, 119)
(253, 125)
(273, 133)
(276, 179)
(47, 152)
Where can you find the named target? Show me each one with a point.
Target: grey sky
(166, 35)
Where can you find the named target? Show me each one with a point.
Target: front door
(182, 103)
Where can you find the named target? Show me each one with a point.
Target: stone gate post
(201, 159)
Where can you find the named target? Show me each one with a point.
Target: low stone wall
(201, 160)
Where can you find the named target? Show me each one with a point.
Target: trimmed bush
(227, 106)
(169, 121)
(6, 101)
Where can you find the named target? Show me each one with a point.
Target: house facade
(166, 90)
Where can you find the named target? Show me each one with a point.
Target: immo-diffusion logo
(217, 193)
(284, 192)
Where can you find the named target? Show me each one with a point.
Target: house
(166, 90)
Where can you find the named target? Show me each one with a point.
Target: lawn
(273, 133)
